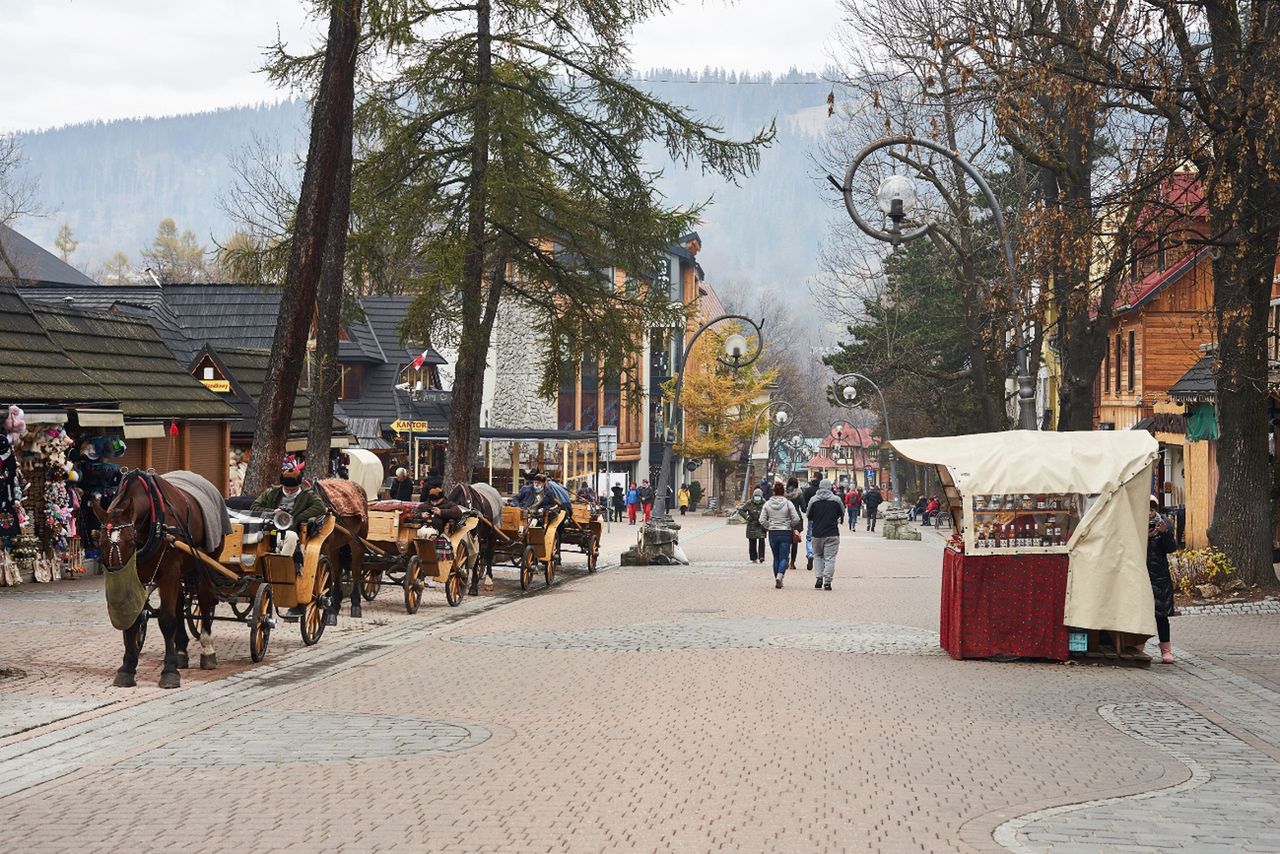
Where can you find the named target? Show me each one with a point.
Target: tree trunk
(334, 97)
(329, 316)
(1242, 290)
(473, 343)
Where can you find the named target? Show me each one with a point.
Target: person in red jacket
(853, 506)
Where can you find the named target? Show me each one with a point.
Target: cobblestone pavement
(656, 709)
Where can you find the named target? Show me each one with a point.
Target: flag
(422, 357)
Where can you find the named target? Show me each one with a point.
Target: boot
(1166, 652)
(809, 566)
(826, 585)
(817, 585)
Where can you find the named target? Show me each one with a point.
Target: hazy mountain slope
(114, 181)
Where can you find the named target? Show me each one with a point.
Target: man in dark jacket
(807, 493)
(402, 486)
(645, 494)
(1160, 542)
(826, 512)
(871, 500)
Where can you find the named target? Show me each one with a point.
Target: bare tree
(17, 197)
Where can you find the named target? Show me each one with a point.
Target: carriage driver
(553, 494)
(295, 499)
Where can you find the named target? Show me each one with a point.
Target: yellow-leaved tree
(720, 406)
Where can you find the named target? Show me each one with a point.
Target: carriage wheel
(527, 563)
(194, 614)
(260, 622)
(592, 547)
(371, 585)
(412, 585)
(312, 622)
(456, 585)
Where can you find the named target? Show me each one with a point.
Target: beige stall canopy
(1107, 583)
(364, 468)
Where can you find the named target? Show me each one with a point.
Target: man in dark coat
(808, 492)
(402, 486)
(1160, 542)
(646, 495)
(871, 499)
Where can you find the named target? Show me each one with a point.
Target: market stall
(1050, 543)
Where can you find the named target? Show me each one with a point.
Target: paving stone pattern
(1266, 606)
(266, 737)
(21, 712)
(1227, 804)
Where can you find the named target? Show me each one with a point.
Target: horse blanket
(209, 499)
(344, 497)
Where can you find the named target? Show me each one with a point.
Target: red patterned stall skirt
(1003, 605)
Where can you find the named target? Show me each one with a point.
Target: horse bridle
(155, 512)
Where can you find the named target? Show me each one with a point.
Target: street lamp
(781, 418)
(846, 393)
(737, 353)
(896, 199)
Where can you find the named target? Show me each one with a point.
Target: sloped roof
(820, 462)
(856, 436)
(35, 264)
(33, 369)
(246, 368)
(226, 315)
(126, 356)
(1197, 384)
(1131, 295)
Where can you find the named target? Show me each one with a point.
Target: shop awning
(144, 431)
(301, 444)
(100, 417)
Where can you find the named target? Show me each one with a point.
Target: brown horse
(348, 503)
(143, 512)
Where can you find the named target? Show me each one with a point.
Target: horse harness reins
(156, 531)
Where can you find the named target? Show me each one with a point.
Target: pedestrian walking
(1160, 542)
(826, 512)
(871, 500)
(646, 495)
(809, 491)
(779, 518)
(853, 505)
(682, 499)
(633, 503)
(796, 496)
(755, 531)
(618, 502)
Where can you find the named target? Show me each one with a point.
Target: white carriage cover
(1107, 583)
(364, 468)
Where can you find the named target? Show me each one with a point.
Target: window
(1106, 369)
(1119, 361)
(208, 372)
(589, 394)
(1132, 358)
(350, 382)
(1273, 342)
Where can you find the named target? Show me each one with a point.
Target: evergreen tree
(175, 257)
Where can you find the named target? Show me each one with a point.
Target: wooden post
(515, 466)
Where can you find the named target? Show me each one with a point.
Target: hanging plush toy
(15, 424)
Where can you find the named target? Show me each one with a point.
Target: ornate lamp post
(783, 416)
(846, 395)
(896, 199)
(737, 354)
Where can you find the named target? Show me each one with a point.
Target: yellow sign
(402, 426)
(217, 385)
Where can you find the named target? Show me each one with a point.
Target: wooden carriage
(583, 528)
(257, 583)
(395, 554)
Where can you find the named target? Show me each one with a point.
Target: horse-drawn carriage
(402, 551)
(532, 539)
(257, 582)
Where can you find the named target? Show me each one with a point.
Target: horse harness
(157, 530)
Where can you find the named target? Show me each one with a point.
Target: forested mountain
(113, 182)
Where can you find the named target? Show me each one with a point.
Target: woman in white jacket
(779, 518)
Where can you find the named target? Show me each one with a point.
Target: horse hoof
(330, 618)
(184, 660)
(473, 591)
(356, 613)
(124, 680)
(208, 662)
(170, 680)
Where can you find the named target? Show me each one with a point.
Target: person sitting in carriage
(299, 501)
(553, 494)
(437, 509)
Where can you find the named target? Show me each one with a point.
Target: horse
(146, 509)
(349, 504)
(487, 501)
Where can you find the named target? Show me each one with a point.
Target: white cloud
(66, 61)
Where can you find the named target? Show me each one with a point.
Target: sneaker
(817, 585)
(809, 566)
(826, 585)
(777, 581)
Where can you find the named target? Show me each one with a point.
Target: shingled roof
(1197, 384)
(33, 369)
(246, 368)
(34, 264)
(126, 356)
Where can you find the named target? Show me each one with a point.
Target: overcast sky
(65, 61)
